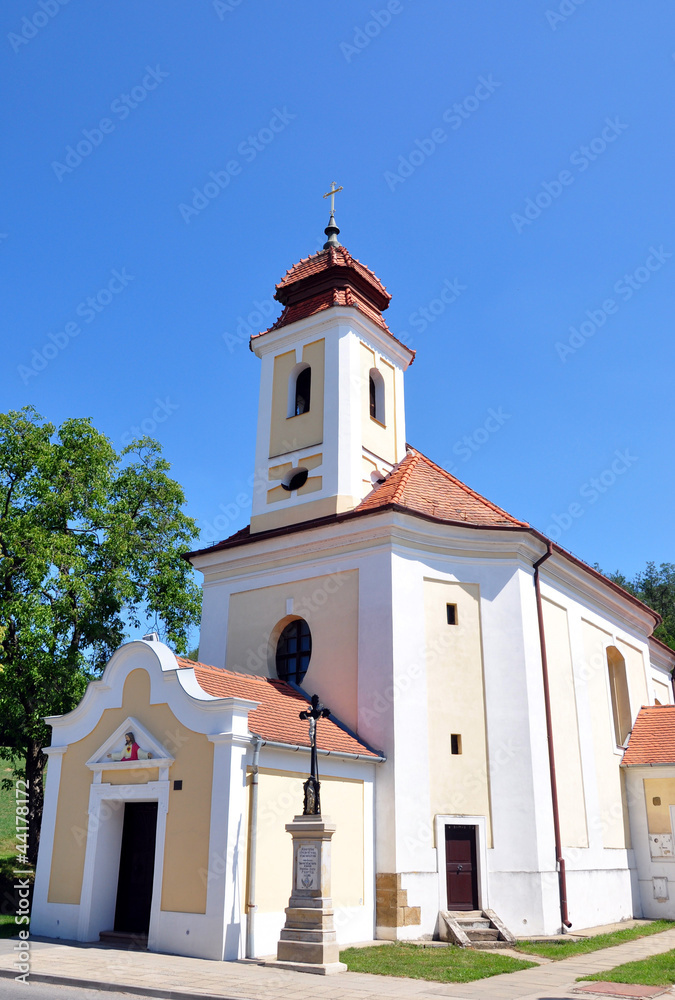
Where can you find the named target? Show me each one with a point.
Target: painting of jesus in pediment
(131, 751)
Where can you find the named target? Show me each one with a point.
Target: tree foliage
(655, 585)
(90, 544)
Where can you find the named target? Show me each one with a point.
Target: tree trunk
(35, 767)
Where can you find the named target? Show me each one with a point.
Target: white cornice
(407, 533)
(661, 657)
(342, 318)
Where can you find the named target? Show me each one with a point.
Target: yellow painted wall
(662, 693)
(658, 817)
(280, 798)
(378, 438)
(611, 792)
(290, 433)
(187, 825)
(566, 747)
(308, 511)
(329, 604)
(454, 659)
(131, 777)
(635, 675)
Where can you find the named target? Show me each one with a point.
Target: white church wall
(393, 553)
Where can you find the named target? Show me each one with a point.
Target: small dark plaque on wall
(177, 786)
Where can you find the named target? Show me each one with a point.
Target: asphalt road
(11, 990)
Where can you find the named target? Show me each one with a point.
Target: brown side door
(460, 867)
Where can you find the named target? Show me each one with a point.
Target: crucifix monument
(308, 942)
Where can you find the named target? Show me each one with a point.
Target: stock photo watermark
(161, 412)
(224, 7)
(121, 107)
(454, 116)
(88, 310)
(23, 883)
(581, 158)
(564, 11)
(362, 38)
(591, 492)
(31, 26)
(625, 288)
(467, 446)
(248, 149)
(250, 324)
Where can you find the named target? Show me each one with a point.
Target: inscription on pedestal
(307, 867)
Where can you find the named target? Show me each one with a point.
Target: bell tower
(331, 418)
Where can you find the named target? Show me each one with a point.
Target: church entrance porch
(461, 872)
(137, 861)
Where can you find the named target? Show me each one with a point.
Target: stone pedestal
(308, 942)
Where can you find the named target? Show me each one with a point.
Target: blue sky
(518, 157)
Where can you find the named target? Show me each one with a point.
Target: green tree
(655, 585)
(90, 544)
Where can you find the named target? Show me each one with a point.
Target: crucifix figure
(312, 805)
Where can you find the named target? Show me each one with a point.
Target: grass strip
(443, 965)
(658, 970)
(558, 950)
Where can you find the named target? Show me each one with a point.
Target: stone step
(490, 945)
(482, 934)
(466, 923)
(124, 938)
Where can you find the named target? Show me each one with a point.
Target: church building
(483, 685)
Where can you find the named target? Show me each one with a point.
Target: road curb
(93, 984)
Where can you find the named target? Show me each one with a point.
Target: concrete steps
(480, 929)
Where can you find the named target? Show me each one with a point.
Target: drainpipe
(560, 861)
(252, 850)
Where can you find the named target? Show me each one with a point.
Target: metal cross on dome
(312, 804)
(331, 194)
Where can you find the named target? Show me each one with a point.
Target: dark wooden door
(137, 866)
(460, 867)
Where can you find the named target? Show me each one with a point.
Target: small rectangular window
(452, 613)
(455, 743)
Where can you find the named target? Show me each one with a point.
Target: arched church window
(294, 649)
(376, 391)
(618, 688)
(303, 389)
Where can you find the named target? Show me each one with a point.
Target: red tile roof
(277, 716)
(423, 487)
(324, 260)
(652, 740)
(331, 277)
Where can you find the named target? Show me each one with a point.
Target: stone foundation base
(392, 903)
(329, 969)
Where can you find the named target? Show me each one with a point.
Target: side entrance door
(137, 866)
(460, 867)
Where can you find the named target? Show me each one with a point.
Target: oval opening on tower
(294, 479)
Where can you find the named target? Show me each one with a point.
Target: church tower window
(294, 650)
(376, 391)
(301, 389)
